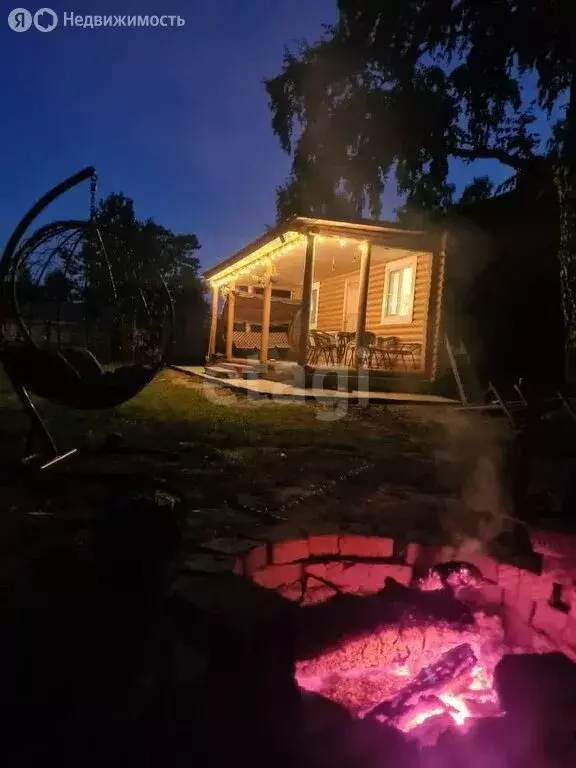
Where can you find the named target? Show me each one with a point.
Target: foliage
(138, 250)
(58, 286)
(403, 87)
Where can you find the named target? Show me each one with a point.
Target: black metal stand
(41, 449)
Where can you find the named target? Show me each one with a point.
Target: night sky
(176, 118)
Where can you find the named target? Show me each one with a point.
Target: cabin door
(351, 296)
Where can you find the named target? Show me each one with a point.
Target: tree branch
(492, 153)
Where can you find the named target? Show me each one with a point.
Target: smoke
(470, 462)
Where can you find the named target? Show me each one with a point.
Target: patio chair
(405, 351)
(313, 349)
(326, 346)
(343, 341)
(362, 350)
(381, 352)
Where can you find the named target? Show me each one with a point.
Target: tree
(140, 250)
(58, 287)
(135, 255)
(402, 87)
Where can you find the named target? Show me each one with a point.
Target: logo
(45, 20)
(19, 20)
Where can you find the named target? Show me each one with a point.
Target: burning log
(446, 672)
(453, 576)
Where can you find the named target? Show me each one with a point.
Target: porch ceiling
(331, 260)
(281, 250)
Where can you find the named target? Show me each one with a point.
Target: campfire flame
(427, 694)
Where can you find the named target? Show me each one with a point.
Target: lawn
(253, 469)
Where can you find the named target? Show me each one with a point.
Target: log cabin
(334, 294)
(481, 294)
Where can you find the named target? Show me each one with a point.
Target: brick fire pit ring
(311, 570)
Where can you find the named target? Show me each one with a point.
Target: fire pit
(408, 636)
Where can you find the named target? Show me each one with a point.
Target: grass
(251, 469)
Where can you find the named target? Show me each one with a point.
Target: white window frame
(314, 320)
(393, 266)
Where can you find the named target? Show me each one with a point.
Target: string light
(269, 259)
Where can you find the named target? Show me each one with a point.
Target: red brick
(330, 571)
(521, 602)
(569, 596)
(290, 551)
(487, 566)
(554, 544)
(317, 592)
(569, 634)
(400, 573)
(326, 544)
(413, 553)
(274, 576)
(366, 546)
(256, 559)
(366, 578)
(561, 570)
(537, 585)
(519, 633)
(508, 577)
(542, 642)
(492, 594)
(292, 591)
(550, 620)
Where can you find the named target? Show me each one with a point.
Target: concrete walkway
(282, 390)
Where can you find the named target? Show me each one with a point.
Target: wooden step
(222, 373)
(232, 370)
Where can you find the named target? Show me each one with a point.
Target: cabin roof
(295, 229)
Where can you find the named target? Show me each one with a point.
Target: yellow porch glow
(267, 255)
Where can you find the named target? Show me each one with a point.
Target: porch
(351, 296)
(287, 382)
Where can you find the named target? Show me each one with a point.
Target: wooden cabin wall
(332, 298)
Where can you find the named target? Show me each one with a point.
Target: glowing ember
(421, 679)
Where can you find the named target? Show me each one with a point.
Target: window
(258, 291)
(243, 289)
(398, 299)
(314, 300)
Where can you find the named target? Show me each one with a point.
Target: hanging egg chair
(87, 321)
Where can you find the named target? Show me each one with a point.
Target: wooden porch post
(306, 298)
(266, 307)
(213, 323)
(365, 256)
(231, 302)
(433, 350)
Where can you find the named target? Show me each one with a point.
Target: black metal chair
(361, 352)
(405, 351)
(343, 341)
(326, 346)
(381, 352)
(72, 377)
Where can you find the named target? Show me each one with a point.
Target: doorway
(351, 296)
